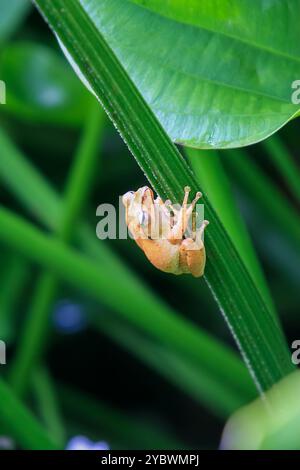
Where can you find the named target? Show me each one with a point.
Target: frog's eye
(143, 218)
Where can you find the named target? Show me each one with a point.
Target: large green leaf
(216, 73)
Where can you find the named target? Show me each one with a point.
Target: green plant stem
(254, 328)
(33, 340)
(21, 423)
(282, 159)
(17, 173)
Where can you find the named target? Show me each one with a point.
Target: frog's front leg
(183, 215)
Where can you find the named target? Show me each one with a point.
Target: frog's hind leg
(192, 257)
(162, 254)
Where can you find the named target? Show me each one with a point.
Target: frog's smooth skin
(159, 230)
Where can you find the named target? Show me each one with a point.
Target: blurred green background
(77, 365)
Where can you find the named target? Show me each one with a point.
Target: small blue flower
(69, 317)
(6, 443)
(83, 443)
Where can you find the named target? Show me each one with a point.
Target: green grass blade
(21, 423)
(83, 172)
(263, 190)
(48, 405)
(12, 280)
(34, 336)
(18, 175)
(282, 159)
(256, 332)
(211, 175)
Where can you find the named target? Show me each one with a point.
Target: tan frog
(160, 231)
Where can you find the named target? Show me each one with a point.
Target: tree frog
(160, 230)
